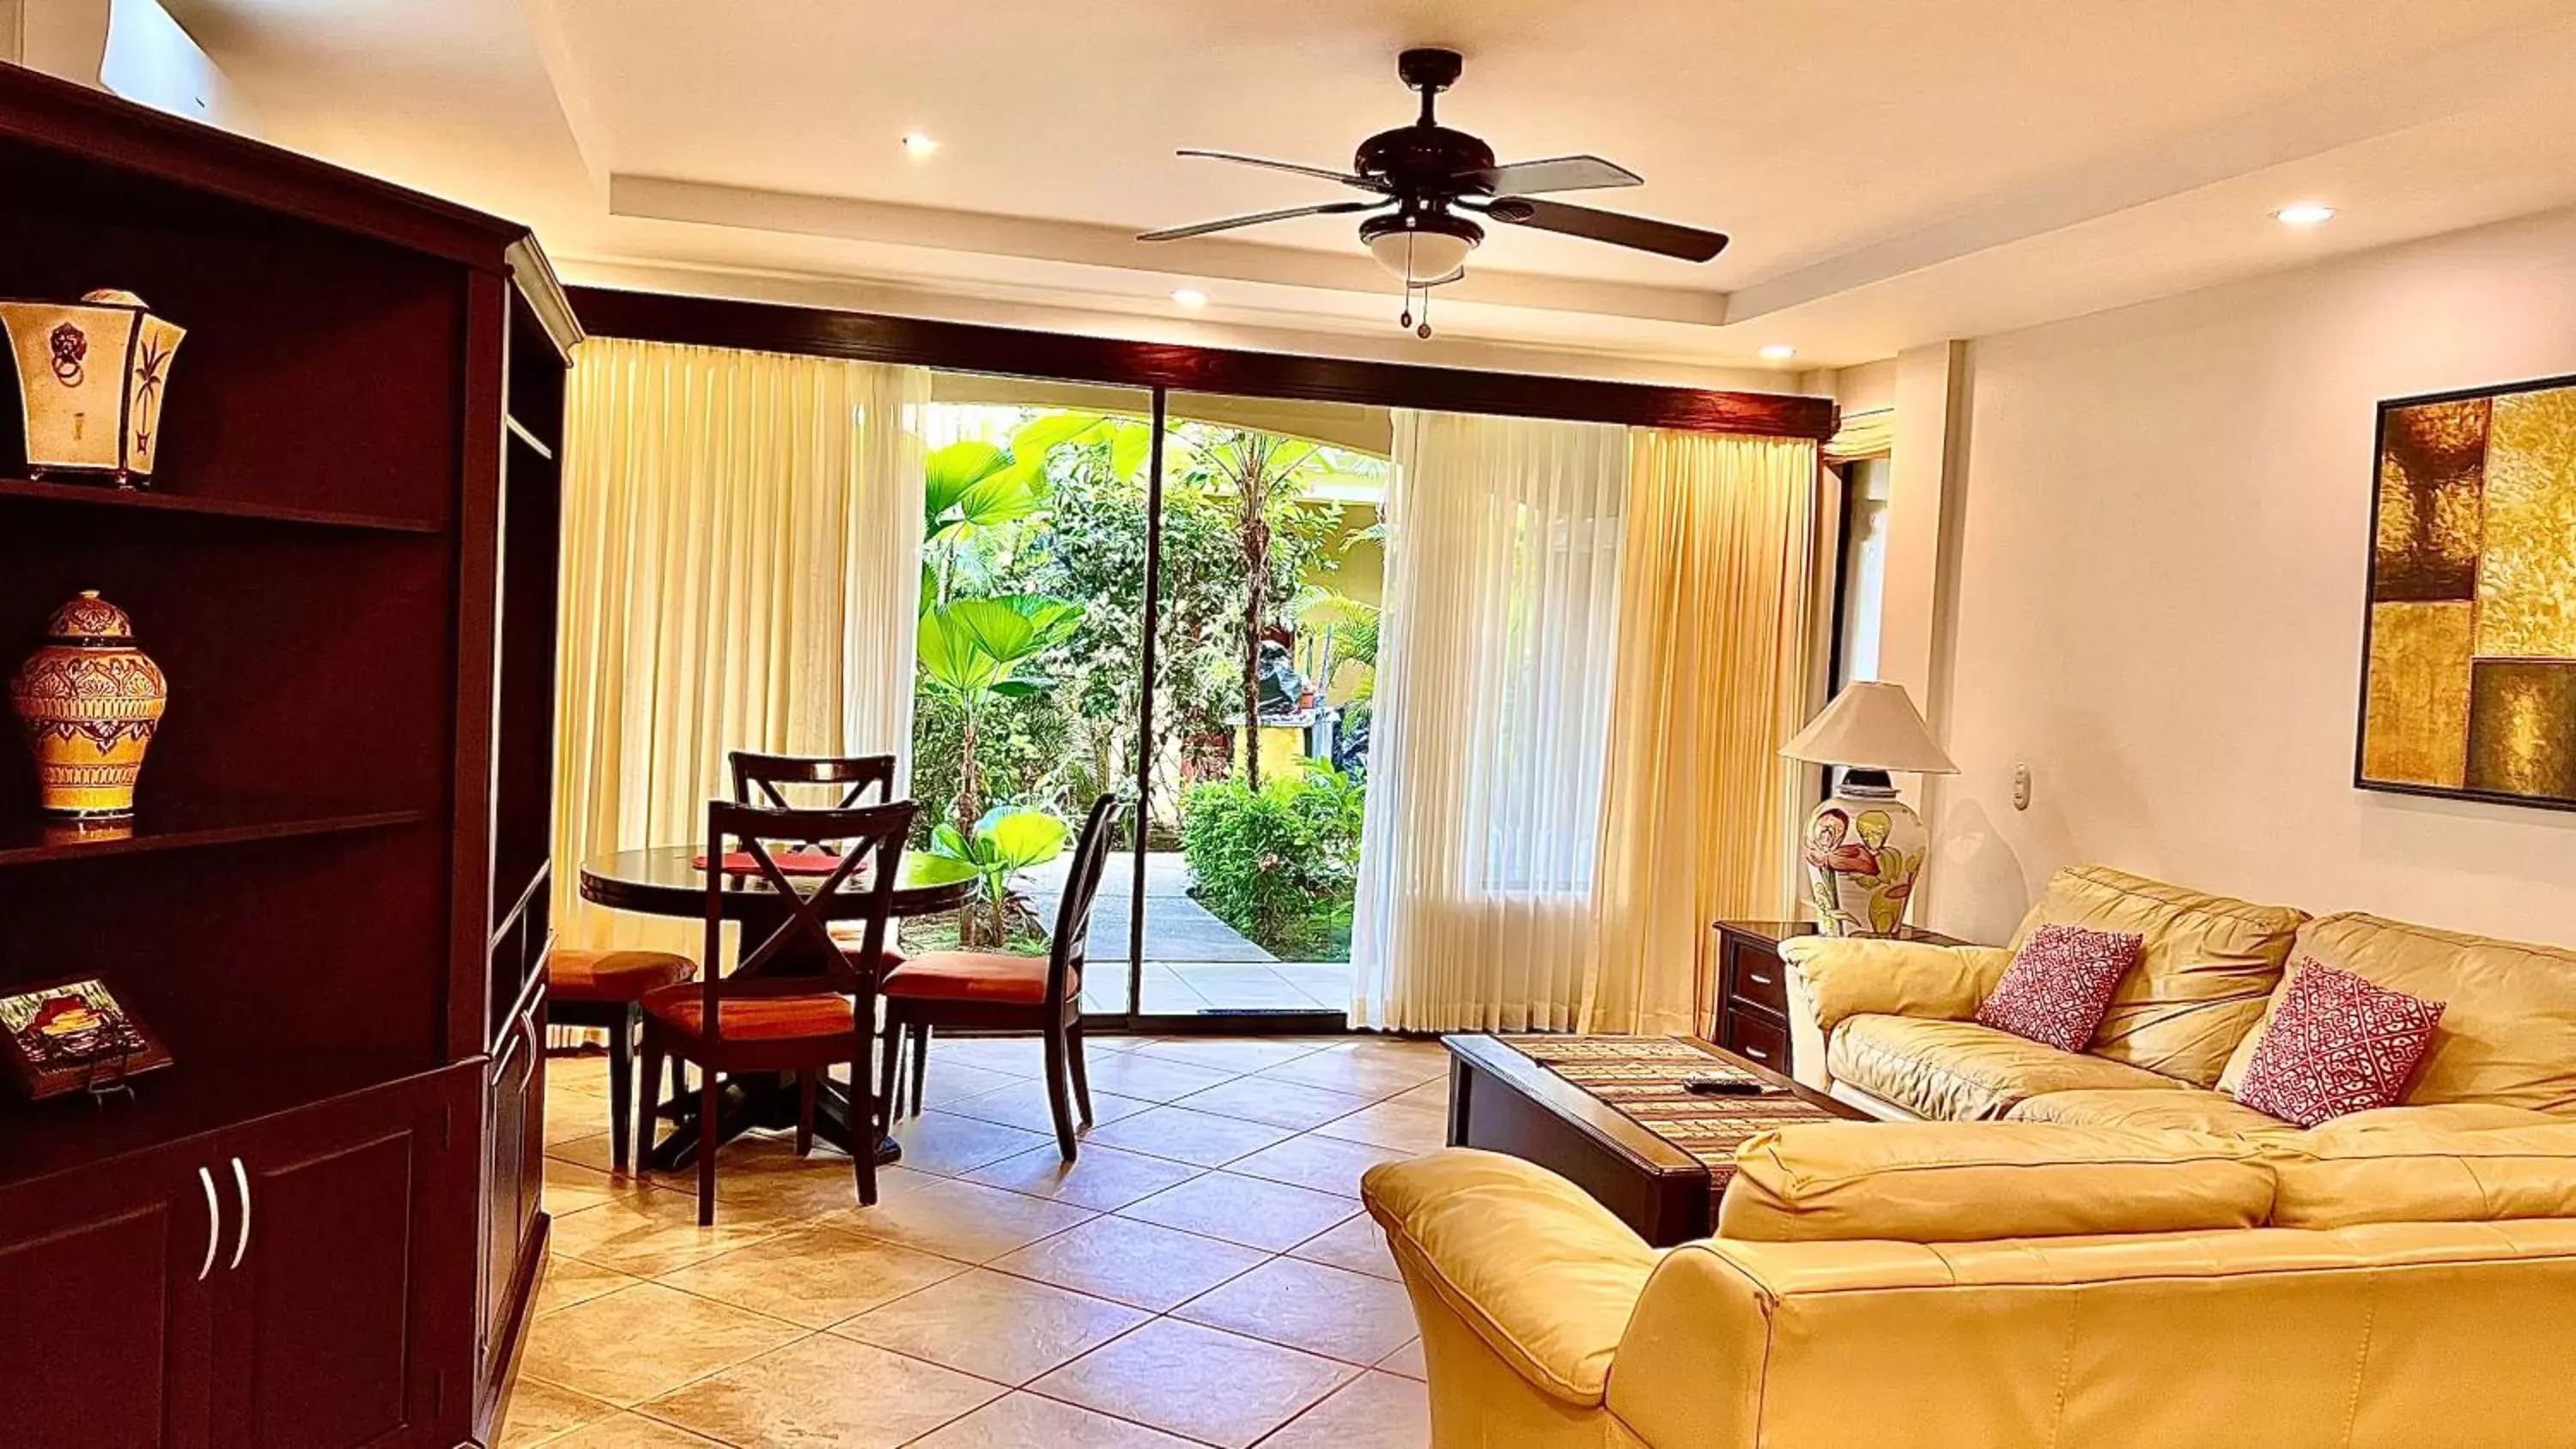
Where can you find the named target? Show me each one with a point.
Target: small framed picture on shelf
(72, 1036)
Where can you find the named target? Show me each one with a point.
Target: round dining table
(668, 880)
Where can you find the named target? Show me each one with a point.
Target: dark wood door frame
(1057, 356)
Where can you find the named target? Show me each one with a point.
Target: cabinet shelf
(94, 495)
(189, 827)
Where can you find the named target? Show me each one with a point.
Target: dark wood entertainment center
(320, 1227)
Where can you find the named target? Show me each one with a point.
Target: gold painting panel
(2527, 561)
(2522, 728)
(2415, 730)
(2432, 459)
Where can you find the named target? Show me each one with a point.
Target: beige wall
(2160, 544)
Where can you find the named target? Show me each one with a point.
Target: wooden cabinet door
(345, 1312)
(513, 1176)
(103, 1336)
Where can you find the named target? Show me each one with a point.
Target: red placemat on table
(789, 862)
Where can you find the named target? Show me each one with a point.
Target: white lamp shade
(1421, 258)
(1871, 726)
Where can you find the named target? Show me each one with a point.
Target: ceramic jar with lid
(90, 703)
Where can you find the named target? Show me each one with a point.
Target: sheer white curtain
(1495, 666)
(741, 570)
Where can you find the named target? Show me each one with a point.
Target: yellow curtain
(741, 570)
(1698, 816)
(1862, 435)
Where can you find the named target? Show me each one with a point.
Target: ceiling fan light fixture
(1421, 250)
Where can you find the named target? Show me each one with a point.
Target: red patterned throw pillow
(2337, 1045)
(2059, 987)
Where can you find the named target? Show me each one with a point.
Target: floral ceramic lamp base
(1864, 853)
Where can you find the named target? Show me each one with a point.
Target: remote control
(1723, 1086)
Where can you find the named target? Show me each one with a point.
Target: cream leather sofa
(2105, 1250)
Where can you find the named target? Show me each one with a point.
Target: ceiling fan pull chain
(1424, 331)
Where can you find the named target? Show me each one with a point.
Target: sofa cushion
(1950, 1182)
(1960, 1071)
(2392, 1170)
(2337, 1045)
(2058, 987)
(2206, 967)
(2193, 1109)
(2509, 1025)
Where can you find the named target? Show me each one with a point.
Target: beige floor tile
(1129, 1262)
(824, 1391)
(956, 1081)
(588, 1148)
(1228, 1054)
(1134, 1074)
(1018, 1056)
(571, 1187)
(541, 1412)
(629, 1345)
(1246, 1210)
(571, 1124)
(1359, 1245)
(1280, 1103)
(1186, 1136)
(1326, 1164)
(962, 1220)
(816, 1277)
(1026, 1421)
(1405, 1362)
(1340, 1071)
(631, 1431)
(994, 1326)
(570, 1280)
(1408, 1129)
(1215, 1387)
(940, 1141)
(1102, 1177)
(1339, 1314)
(1024, 1105)
(650, 1234)
(1431, 1096)
(1373, 1411)
(760, 1175)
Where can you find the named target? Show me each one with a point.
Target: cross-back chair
(990, 991)
(798, 999)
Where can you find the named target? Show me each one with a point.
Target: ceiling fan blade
(1329, 208)
(1557, 173)
(1688, 243)
(1365, 183)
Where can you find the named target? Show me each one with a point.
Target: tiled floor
(1203, 1276)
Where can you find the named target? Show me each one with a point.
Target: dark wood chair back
(872, 839)
(758, 779)
(1070, 951)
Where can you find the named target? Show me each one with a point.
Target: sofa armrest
(1541, 1273)
(1833, 978)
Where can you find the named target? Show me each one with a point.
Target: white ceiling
(1893, 172)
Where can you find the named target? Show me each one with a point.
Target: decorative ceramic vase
(1864, 852)
(90, 378)
(90, 703)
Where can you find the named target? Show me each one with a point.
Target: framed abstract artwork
(2469, 661)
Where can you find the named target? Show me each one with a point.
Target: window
(1863, 573)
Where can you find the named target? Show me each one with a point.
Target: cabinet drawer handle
(241, 1240)
(1757, 978)
(214, 1222)
(1757, 1053)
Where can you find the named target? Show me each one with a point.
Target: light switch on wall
(2021, 787)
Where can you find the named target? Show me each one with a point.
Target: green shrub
(1280, 864)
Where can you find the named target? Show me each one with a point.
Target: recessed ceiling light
(918, 144)
(1779, 352)
(2305, 213)
(1189, 296)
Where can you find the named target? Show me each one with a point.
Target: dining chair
(753, 1019)
(605, 990)
(760, 779)
(990, 991)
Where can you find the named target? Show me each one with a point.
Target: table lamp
(1865, 848)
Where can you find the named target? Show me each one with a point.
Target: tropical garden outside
(1030, 691)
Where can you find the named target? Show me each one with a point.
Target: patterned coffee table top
(1642, 1077)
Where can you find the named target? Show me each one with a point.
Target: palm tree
(1266, 473)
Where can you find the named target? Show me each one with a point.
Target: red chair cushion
(752, 1018)
(613, 975)
(972, 976)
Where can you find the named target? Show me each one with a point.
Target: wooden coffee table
(1502, 1100)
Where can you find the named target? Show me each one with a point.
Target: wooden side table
(1751, 1017)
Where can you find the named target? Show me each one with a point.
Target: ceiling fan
(1427, 183)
